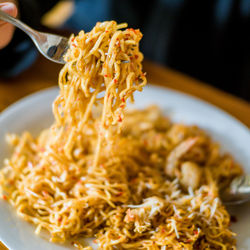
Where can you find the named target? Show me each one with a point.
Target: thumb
(6, 29)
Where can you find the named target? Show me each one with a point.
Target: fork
(51, 46)
(237, 192)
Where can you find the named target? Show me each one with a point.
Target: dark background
(207, 39)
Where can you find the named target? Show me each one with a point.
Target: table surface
(43, 74)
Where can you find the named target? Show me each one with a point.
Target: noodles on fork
(95, 63)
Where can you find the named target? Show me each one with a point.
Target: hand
(6, 29)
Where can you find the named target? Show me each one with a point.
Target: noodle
(132, 180)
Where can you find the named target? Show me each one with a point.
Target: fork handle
(7, 18)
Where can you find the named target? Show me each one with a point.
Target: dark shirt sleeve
(20, 52)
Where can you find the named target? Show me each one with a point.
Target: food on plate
(130, 178)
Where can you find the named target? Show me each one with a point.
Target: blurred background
(208, 40)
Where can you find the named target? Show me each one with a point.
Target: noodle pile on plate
(132, 180)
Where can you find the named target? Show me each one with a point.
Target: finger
(9, 8)
(6, 29)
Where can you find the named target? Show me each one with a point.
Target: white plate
(33, 113)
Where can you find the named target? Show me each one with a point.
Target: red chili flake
(74, 45)
(59, 219)
(72, 39)
(106, 75)
(233, 218)
(163, 230)
(131, 29)
(122, 106)
(4, 197)
(115, 80)
(123, 99)
(119, 194)
(136, 56)
(119, 119)
(95, 241)
(196, 232)
(106, 31)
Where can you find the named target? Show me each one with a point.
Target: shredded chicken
(190, 174)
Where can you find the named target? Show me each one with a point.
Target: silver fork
(237, 192)
(51, 46)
